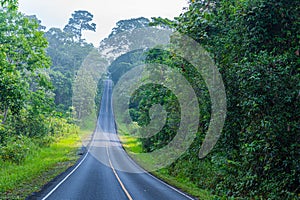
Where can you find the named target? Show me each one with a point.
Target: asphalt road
(98, 175)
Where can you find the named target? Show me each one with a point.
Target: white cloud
(55, 13)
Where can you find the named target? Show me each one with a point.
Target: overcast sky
(56, 13)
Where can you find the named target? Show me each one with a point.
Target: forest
(39, 131)
(37, 72)
(255, 46)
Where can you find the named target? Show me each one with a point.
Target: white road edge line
(62, 181)
(117, 176)
(166, 184)
(78, 165)
(183, 194)
(134, 163)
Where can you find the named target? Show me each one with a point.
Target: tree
(85, 84)
(27, 117)
(124, 63)
(67, 56)
(9, 4)
(22, 55)
(132, 34)
(129, 25)
(256, 47)
(79, 22)
(34, 17)
(68, 50)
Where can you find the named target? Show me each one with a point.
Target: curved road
(96, 176)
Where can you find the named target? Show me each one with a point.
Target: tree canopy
(67, 51)
(28, 115)
(129, 25)
(22, 55)
(80, 21)
(255, 45)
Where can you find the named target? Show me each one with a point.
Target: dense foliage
(67, 51)
(255, 45)
(129, 25)
(29, 119)
(124, 63)
(79, 22)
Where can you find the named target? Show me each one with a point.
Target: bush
(255, 45)
(16, 148)
(26, 134)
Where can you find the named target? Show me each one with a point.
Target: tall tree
(256, 47)
(80, 21)
(129, 25)
(67, 56)
(22, 55)
(9, 4)
(131, 34)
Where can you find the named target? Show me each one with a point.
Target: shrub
(16, 148)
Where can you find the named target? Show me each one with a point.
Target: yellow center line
(117, 176)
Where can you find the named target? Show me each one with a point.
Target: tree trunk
(4, 116)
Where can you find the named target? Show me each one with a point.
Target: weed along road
(97, 176)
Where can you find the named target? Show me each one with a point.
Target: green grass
(184, 185)
(89, 122)
(132, 146)
(17, 181)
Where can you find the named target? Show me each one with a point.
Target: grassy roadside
(17, 181)
(131, 145)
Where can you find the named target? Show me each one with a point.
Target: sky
(56, 13)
